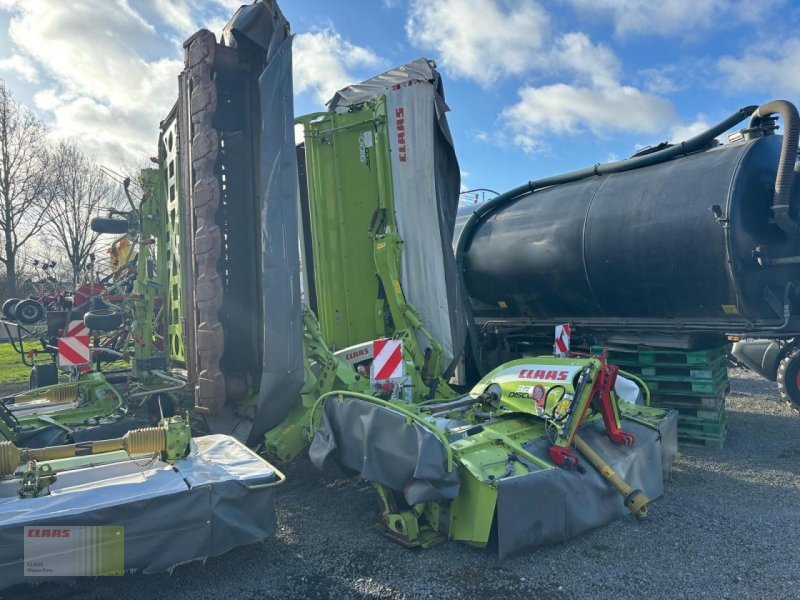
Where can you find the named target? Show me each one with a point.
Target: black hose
(781, 200)
(637, 162)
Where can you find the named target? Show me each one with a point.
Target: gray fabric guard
(540, 508)
(378, 443)
(282, 374)
(200, 508)
(434, 299)
(551, 506)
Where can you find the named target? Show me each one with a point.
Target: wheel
(103, 320)
(8, 308)
(789, 379)
(104, 225)
(43, 375)
(29, 312)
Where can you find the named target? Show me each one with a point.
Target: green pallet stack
(693, 382)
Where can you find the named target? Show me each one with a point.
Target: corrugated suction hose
(781, 200)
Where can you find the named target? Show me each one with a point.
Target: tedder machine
(314, 298)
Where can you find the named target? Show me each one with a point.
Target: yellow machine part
(149, 440)
(61, 394)
(120, 252)
(635, 500)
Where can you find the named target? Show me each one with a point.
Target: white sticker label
(364, 144)
(53, 551)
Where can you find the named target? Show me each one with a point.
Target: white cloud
(680, 18)
(323, 62)
(661, 80)
(662, 17)
(770, 67)
(591, 62)
(685, 131)
(91, 49)
(99, 86)
(21, 66)
(485, 40)
(109, 71)
(178, 14)
(231, 6)
(115, 136)
(480, 39)
(569, 109)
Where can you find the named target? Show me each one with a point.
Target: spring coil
(57, 395)
(62, 395)
(9, 458)
(147, 440)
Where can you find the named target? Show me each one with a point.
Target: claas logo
(542, 374)
(48, 533)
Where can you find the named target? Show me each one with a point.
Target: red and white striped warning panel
(74, 351)
(76, 328)
(388, 360)
(562, 339)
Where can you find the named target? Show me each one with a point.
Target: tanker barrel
(663, 240)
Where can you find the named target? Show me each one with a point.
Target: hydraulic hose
(637, 162)
(781, 200)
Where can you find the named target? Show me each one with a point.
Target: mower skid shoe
(553, 505)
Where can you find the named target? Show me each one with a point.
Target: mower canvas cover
(210, 502)
(425, 184)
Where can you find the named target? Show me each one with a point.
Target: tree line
(49, 192)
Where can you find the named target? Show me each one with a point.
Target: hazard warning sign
(562, 340)
(388, 360)
(74, 351)
(76, 328)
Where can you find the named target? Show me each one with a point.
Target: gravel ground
(728, 526)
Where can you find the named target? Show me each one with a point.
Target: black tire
(789, 379)
(8, 308)
(103, 320)
(104, 225)
(43, 375)
(29, 312)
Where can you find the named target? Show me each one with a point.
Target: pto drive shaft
(635, 500)
(171, 440)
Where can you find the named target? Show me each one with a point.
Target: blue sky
(535, 87)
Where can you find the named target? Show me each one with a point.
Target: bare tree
(25, 190)
(81, 191)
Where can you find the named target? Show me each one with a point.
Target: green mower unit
(382, 189)
(504, 455)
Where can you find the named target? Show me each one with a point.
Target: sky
(535, 87)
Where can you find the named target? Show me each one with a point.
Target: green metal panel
(349, 179)
(169, 162)
(149, 285)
